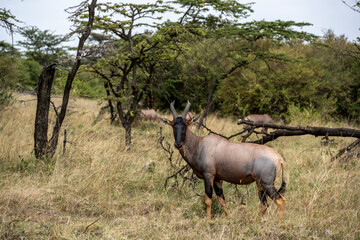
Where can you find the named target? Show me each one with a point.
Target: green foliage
(8, 21)
(254, 67)
(85, 84)
(30, 73)
(228, 48)
(16, 72)
(8, 70)
(5, 98)
(323, 77)
(211, 14)
(129, 68)
(42, 46)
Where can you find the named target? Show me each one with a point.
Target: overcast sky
(323, 14)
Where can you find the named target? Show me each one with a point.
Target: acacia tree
(42, 146)
(9, 22)
(355, 6)
(228, 46)
(128, 71)
(243, 49)
(41, 46)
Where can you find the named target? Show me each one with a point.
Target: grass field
(97, 190)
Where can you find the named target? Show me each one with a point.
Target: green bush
(5, 98)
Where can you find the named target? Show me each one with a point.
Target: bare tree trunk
(59, 120)
(128, 136)
(42, 111)
(52, 144)
(127, 120)
(112, 111)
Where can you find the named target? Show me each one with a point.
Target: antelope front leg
(208, 180)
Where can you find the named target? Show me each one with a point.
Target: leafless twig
(55, 108)
(184, 172)
(229, 137)
(91, 225)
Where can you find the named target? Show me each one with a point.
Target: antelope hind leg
(277, 198)
(263, 200)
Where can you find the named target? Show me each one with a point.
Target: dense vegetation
(273, 66)
(324, 76)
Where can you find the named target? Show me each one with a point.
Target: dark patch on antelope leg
(262, 197)
(218, 190)
(208, 195)
(208, 187)
(220, 195)
(271, 191)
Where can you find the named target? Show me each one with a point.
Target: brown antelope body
(215, 159)
(260, 118)
(148, 115)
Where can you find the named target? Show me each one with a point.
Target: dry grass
(99, 191)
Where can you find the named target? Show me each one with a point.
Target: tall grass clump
(98, 190)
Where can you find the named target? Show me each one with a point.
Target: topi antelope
(215, 159)
(148, 115)
(189, 116)
(260, 119)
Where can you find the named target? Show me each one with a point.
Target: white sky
(323, 14)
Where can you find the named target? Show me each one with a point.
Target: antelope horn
(187, 108)
(173, 109)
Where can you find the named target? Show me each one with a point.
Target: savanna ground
(97, 190)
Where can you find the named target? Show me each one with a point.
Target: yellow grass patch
(97, 190)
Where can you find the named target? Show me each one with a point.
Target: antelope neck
(191, 145)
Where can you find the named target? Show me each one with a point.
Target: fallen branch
(297, 131)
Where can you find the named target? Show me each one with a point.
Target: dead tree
(42, 111)
(43, 147)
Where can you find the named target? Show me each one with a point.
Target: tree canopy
(206, 52)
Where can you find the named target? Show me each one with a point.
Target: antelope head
(179, 124)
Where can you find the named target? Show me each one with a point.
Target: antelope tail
(282, 189)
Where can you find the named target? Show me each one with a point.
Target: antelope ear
(194, 119)
(165, 121)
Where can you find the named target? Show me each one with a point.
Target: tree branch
(297, 131)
